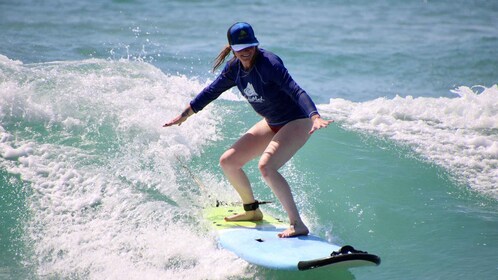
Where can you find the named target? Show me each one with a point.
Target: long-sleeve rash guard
(267, 86)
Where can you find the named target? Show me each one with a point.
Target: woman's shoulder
(231, 67)
(232, 63)
(270, 58)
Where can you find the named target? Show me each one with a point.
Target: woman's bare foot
(294, 230)
(255, 215)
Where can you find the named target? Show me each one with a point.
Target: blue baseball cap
(241, 36)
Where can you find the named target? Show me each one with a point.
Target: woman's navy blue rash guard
(267, 86)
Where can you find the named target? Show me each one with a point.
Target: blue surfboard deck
(258, 243)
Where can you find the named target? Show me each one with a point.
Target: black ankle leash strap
(255, 205)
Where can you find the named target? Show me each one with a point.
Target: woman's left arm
(300, 96)
(318, 123)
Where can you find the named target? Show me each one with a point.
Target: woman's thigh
(249, 146)
(286, 143)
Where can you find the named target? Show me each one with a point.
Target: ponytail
(221, 57)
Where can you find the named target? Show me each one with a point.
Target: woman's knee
(228, 160)
(265, 168)
(224, 160)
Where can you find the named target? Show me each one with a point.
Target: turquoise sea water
(91, 186)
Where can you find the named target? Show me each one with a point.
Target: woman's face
(246, 56)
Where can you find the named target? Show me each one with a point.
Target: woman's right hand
(180, 118)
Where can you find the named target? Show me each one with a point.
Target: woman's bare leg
(280, 150)
(249, 146)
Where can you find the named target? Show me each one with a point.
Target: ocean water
(92, 186)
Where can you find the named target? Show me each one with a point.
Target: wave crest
(460, 134)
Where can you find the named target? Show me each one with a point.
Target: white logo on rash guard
(251, 95)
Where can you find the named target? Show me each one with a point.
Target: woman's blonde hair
(222, 56)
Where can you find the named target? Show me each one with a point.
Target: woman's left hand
(318, 123)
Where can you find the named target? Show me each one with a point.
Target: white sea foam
(460, 134)
(106, 201)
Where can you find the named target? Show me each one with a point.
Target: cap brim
(243, 46)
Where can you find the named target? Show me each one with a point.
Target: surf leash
(204, 188)
(192, 175)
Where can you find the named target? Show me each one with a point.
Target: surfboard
(258, 243)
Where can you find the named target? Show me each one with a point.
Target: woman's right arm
(222, 83)
(181, 118)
